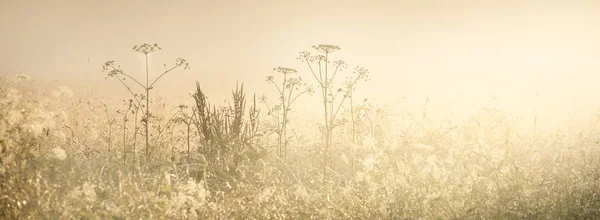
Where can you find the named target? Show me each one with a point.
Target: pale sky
(458, 52)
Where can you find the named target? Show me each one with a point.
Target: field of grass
(65, 154)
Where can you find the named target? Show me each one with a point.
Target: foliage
(288, 91)
(227, 137)
(59, 160)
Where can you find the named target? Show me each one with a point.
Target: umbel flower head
(326, 48)
(285, 70)
(22, 77)
(146, 48)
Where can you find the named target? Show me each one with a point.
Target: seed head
(263, 98)
(182, 62)
(304, 55)
(269, 78)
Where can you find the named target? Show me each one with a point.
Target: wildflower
(340, 64)
(285, 70)
(263, 98)
(146, 48)
(22, 77)
(65, 91)
(55, 94)
(423, 148)
(269, 78)
(59, 153)
(304, 55)
(369, 162)
(360, 176)
(369, 142)
(14, 117)
(326, 48)
(301, 192)
(191, 196)
(60, 135)
(87, 192)
(265, 195)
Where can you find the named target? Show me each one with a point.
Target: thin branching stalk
(288, 92)
(331, 105)
(117, 72)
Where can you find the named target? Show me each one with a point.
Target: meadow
(67, 154)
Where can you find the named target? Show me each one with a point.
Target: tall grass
(55, 163)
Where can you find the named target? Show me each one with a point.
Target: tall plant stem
(352, 115)
(325, 89)
(147, 111)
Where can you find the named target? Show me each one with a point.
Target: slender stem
(147, 112)
(276, 86)
(161, 75)
(171, 120)
(188, 140)
(335, 72)
(135, 132)
(295, 97)
(327, 123)
(131, 92)
(284, 116)
(290, 94)
(313, 72)
(125, 74)
(272, 114)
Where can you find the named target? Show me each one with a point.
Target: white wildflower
(2, 129)
(345, 159)
(360, 176)
(423, 148)
(191, 196)
(55, 94)
(60, 135)
(369, 163)
(65, 91)
(497, 154)
(12, 91)
(12, 96)
(87, 192)
(22, 77)
(14, 117)
(369, 142)
(265, 195)
(35, 128)
(59, 153)
(301, 192)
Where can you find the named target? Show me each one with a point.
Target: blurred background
(530, 58)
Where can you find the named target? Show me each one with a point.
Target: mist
(459, 53)
(536, 62)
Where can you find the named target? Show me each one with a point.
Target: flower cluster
(146, 48)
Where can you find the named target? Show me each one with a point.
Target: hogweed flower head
(285, 70)
(340, 64)
(182, 62)
(22, 77)
(146, 48)
(59, 153)
(326, 48)
(263, 98)
(304, 55)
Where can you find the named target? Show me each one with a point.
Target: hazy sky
(458, 52)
